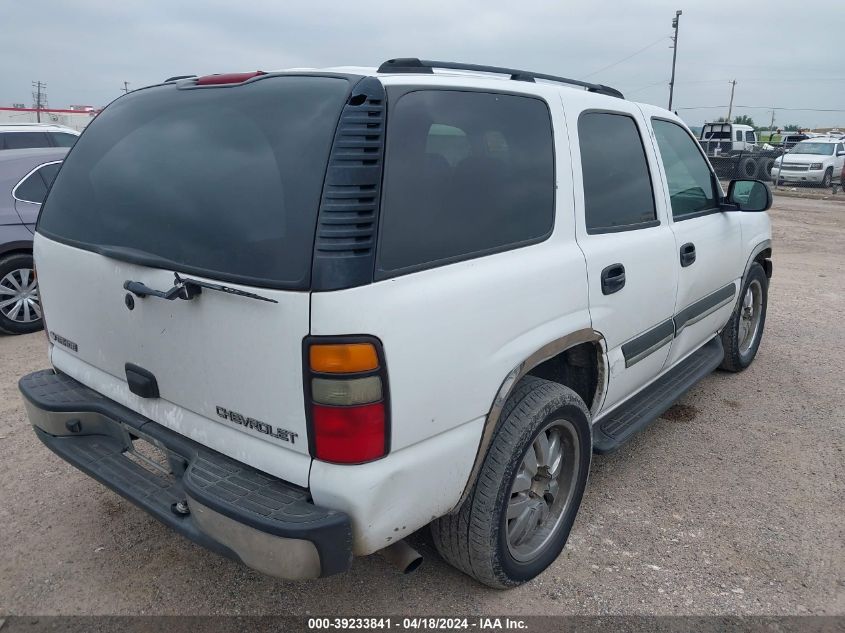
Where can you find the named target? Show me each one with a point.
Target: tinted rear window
(467, 173)
(222, 181)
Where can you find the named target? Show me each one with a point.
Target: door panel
(28, 211)
(706, 283)
(635, 319)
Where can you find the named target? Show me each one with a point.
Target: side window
(840, 148)
(749, 136)
(466, 173)
(63, 139)
(23, 140)
(31, 189)
(618, 193)
(48, 173)
(34, 187)
(691, 186)
(739, 135)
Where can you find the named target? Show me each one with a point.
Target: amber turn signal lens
(343, 358)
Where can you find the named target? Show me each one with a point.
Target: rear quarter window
(466, 174)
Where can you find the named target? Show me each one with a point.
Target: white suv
(814, 161)
(298, 315)
(31, 135)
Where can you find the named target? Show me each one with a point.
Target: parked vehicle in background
(791, 140)
(734, 152)
(814, 161)
(30, 135)
(352, 302)
(25, 177)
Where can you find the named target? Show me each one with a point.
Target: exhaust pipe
(401, 555)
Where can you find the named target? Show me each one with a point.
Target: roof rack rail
(414, 65)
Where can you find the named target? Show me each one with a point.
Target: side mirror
(749, 195)
(840, 153)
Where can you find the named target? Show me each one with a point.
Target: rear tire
(743, 333)
(748, 168)
(20, 305)
(513, 524)
(766, 169)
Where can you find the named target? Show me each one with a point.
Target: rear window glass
(467, 173)
(222, 181)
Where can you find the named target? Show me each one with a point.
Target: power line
(718, 81)
(656, 83)
(625, 59)
(768, 107)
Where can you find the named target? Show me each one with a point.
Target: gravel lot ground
(733, 503)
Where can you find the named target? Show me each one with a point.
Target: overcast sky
(780, 54)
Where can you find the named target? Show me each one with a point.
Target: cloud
(86, 49)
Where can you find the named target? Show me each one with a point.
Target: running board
(632, 416)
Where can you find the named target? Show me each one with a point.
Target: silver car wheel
(542, 490)
(19, 299)
(750, 313)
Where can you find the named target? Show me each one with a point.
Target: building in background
(76, 116)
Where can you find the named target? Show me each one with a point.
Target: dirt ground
(733, 503)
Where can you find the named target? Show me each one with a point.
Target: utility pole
(675, 21)
(772, 127)
(125, 87)
(731, 104)
(39, 95)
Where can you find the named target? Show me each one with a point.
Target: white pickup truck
(298, 315)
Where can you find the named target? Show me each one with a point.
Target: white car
(31, 135)
(298, 315)
(814, 161)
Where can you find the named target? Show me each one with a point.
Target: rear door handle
(687, 254)
(612, 279)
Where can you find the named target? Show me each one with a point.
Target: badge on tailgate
(257, 425)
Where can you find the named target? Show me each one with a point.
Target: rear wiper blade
(187, 289)
(220, 288)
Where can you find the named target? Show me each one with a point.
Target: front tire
(743, 333)
(519, 513)
(828, 178)
(20, 303)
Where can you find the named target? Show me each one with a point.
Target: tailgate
(228, 368)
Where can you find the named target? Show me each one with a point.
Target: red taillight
(346, 392)
(349, 435)
(227, 78)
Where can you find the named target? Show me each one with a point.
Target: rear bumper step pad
(219, 503)
(633, 415)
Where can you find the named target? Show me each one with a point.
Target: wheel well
(578, 368)
(763, 258)
(16, 251)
